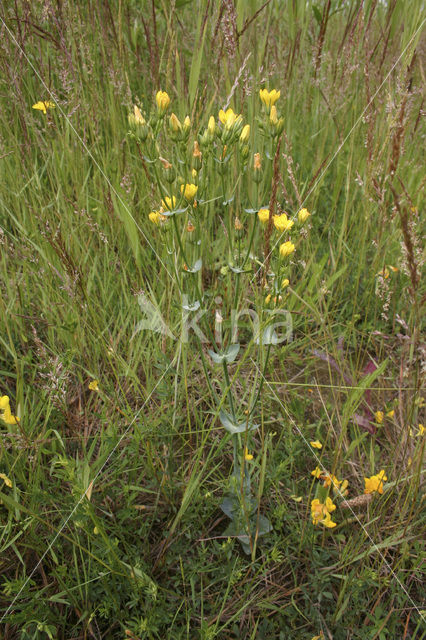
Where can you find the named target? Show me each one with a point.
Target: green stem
(228, 386)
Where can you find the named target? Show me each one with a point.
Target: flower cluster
(320, 512)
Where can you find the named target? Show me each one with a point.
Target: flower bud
(138, 124)
(245, 134)
(211, 127)
(162, 99)
(303, 215)
(169, 171)
(175, 126)
(186, 127)
(286, 249)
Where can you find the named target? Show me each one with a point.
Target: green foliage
(114, 503)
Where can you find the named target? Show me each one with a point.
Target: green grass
(113, 520)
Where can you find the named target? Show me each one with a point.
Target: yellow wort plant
(222, 231)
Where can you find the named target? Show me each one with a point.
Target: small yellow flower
(282, 223)
(316, 444)
(379, 416)
(285, 283)
(344, 488)
(187, 123)
(228, 118)
(268, 299)
(269, 98)
(330, 479)
(169, 203)
(303, 215)
(286, 249)
(94, 385)
(273, 117)
(329, 505)
(44, 105)
(7, 481)
(317, 473)
(154, 216)
(245, 134)
(247, 456)
(263, 215)
(4, 402)
(189, 191)
(375, 483)
(421, 430)
(390, 414)
(163, 101)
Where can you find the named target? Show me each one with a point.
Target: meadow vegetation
(211, 404)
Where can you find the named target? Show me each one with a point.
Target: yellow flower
(303, 215)
(316, 444)
(317, 473)
(154, 216)
(320, 512)
(6, 414)
(189, 191)
(169, 203)
(163, 101)
(187, 123)
(286, 249)
(263, 215)
(268, 299)
(44, 105)
(329, 505)
(330, 479)
(245, 134)
(320, 637)
(344, 488)
(379, 415)
(94, 385)
(285, 283)
(421, 430)
(282, 223)
(247, 456)
(375, 483)
(6, 480)
(269, 98)
(228, 118)
(390, 414)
